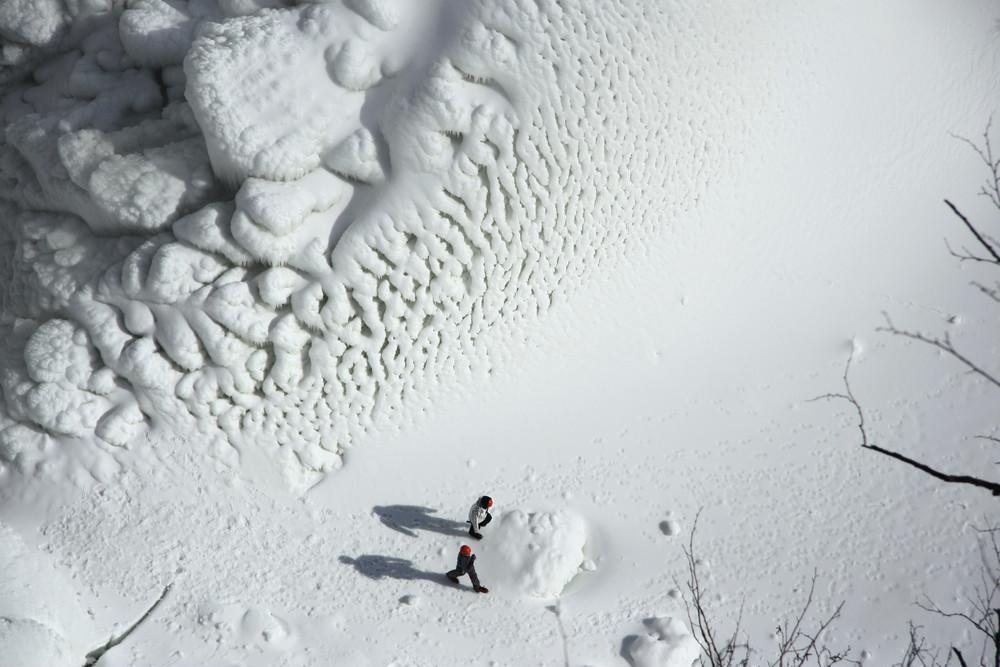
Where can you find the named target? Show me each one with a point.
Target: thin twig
(796, 647)
(944, 344)
(991, 292)
(991, 190)
(849, 397)
(966, 254)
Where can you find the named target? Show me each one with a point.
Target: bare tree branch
(991, 292)
(966, 255)
(984, 607)
(944, 344)
(917, 654)
(979, 237)
(795, 647)
(991, 189)
(849, 397)
(992, 487)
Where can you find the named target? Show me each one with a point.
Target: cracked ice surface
(293, 220)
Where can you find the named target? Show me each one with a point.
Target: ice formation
(535, 553)
(287, 218)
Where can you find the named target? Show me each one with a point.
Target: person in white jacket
(479, 516)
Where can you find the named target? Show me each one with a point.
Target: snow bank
(534, 553)
(41, 624)
(667, 643)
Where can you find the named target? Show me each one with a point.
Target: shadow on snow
(407, 519)
(389, 567)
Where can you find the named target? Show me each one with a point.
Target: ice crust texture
(294, 221)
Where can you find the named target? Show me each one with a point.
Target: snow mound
(534, 553)
(28, 643)
(41, 624)
(60, 363)
(667, 643)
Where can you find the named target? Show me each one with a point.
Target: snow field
(675, 380)
(241, 592)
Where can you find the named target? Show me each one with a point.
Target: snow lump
(534, 553)
(667, 643)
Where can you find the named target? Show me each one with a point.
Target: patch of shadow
(407, 519)
(557, 610)
(668, 528)
(389, 567)
(626, 650)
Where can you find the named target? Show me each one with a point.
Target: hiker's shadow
(409, 518)
(389, 567)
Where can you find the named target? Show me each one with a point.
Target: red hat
(466, 550)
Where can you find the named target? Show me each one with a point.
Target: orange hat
(466, 550)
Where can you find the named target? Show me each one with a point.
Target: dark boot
(474, 576)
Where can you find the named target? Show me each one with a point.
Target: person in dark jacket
(467, 565)
(479, 515)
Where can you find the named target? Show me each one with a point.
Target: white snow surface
(284, 285)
